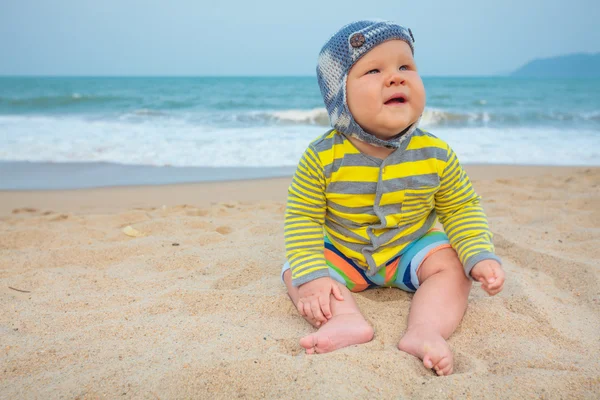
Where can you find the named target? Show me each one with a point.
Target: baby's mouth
(396, 99)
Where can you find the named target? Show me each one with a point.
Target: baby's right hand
(314, 299)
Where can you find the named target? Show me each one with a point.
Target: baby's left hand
(490, 274)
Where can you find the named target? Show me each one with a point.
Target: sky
(258, 38)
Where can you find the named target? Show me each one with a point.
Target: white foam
(178, 142)
(592, 115)
(526, 146)
(316, 116)
(173, 143)
(433, 117)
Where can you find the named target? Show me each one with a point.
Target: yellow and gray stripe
(371, 209)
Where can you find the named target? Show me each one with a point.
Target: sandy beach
(193, 306)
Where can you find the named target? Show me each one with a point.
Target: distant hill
(580, 65)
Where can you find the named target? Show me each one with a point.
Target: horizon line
(217, 76)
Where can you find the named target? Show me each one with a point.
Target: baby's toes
(427, 361)
(444, 366)
(309, 343)
(323, 344)
(440, 361)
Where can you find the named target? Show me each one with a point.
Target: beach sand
(194, 308)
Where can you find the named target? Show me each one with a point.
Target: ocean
(265, 123)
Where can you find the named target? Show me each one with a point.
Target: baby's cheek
(418, 92)
(420, 101)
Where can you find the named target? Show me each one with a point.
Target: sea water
(269, 121)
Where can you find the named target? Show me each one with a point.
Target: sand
(194, 308)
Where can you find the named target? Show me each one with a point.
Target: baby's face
(384, 91)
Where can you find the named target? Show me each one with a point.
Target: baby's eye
(373, 71)
(404, 68)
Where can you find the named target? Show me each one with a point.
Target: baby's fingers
(300, 308)
(324, 301)
(486, 276)
(495, 287)
(493, 291)
(305, 309)
(498, 280)
(316, 311)
(337, 293)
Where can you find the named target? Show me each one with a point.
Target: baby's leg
(436, 310)
(345, 328)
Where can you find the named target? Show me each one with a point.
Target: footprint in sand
(224, 230)
(24, 210)
(198, 213)
(59, 217)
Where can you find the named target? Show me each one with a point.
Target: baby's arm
(459, 210)
(304, 220)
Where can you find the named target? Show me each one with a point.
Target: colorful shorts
(400, 271)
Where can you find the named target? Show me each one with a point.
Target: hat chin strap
(395, 142)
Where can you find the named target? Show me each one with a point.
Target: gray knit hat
(336, 58)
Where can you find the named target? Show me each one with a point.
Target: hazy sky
(220, 37)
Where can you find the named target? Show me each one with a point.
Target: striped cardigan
(372, 209)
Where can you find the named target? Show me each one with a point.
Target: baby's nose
(395, 79)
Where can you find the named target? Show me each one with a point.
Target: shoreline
(51, 176)
(118, 198)
(26, 175)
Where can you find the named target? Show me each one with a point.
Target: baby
(365, 198)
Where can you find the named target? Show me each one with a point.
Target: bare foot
(340, 331)
(430, 347)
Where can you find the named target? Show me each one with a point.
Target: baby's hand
(490, 274)
(314, 299)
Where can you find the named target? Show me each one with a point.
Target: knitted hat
(336, 58)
